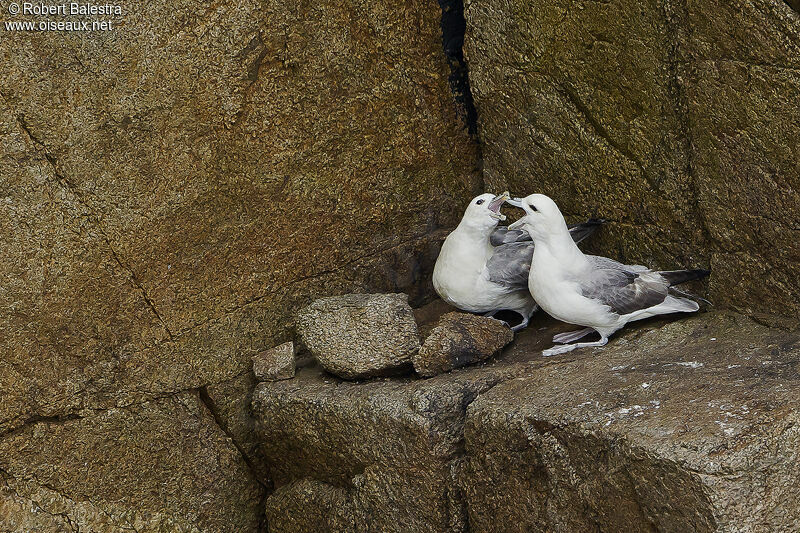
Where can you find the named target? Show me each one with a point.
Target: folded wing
(625, 289)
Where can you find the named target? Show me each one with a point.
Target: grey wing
(510, 264)
(502, 235)
(599, 261)
(624, 290)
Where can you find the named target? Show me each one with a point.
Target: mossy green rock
(675, 120)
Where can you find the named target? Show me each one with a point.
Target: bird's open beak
(516, 202)
(496, 203)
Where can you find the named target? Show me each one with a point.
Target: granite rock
(689, 427)
(360, 335)
(161, 465)
(675, 425)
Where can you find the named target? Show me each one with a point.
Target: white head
(483, 212)
(542, 216)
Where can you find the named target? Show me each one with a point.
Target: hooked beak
(516, 202)
(496, 203)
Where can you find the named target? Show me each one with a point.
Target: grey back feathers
(629, 288)
(503, 235)
(510, 264)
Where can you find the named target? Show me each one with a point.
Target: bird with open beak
(484, 269)
(588, 290)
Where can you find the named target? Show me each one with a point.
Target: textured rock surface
(680, 426)
(276, 363)
(360, 335)
(390, 446)
(692, 427)
(673, 119)
(229, 403)
(158, 466)
(312, 507)
(171, 191)
(460, 339)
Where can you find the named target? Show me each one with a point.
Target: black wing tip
(676, 277)
(596, 221)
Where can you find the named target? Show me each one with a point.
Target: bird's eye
(479, 202)
(533, 207)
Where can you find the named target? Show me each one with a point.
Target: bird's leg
(569, 336)
(556, 350)
(491, 314)
(522, 325)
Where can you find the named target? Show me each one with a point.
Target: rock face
(172, 190)
(383, 454)
(692, 427)
(460, 339)
(671, 119)
(360, 335)
(162, 465)
(276, 363)
(674, 426)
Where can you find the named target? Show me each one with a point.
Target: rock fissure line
(206, 399)
(565, 90)
(6, 475)
(674, 21)
(454, 27)
(73, 414)
(64, 182)
(38, 419)
(253, 73)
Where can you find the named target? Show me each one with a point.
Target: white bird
(484, 269)
(588, 290)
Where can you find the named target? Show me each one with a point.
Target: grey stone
(276, 363)
(460, 339)
(360, 335)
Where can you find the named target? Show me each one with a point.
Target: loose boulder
(460, 339)
(360, 335)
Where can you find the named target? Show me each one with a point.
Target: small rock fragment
(460, 339)
(360, 335)
(276, 363)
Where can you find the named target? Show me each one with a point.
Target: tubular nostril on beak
(516, 202)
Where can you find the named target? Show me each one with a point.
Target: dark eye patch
(479, 202)
(533, 207)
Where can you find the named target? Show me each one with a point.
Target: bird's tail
(676, 277)
(580, 231)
